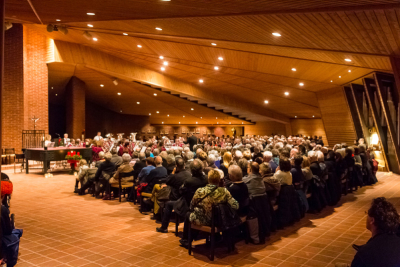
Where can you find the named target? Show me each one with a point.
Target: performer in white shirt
(98, 137)
(66, 140)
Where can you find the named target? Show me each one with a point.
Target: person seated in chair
(238, 189)
(383, 248)
(156, 176)
(101, 159)
(79, 179)
(124, 168)
(105, 170)
(271, 183)
(146, 170)
(115, 158)
(203, 201)
(254, 181)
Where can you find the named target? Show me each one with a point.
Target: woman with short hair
(283, 174)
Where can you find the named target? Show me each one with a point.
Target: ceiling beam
(72, 53)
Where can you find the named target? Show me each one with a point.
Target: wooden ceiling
(316, 38)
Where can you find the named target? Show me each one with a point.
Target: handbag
(164, 193)
(227, 217)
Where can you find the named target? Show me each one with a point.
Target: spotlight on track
(115, 81)
(63, 30)
(87, 35)
(51, 28)
(8, 25)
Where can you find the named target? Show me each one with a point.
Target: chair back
(9, 151)
(125, 174)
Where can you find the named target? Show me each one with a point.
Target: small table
(54, 154)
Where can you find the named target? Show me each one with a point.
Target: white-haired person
(106, 169)
(125, 167)
(314, 165)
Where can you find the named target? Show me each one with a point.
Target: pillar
(75, 107)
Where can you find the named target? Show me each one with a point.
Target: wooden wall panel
(309, 127)
(336, 117)
(265, 128)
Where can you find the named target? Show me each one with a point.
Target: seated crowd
(270, 181)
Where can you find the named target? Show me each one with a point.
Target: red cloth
(6, 188)
(96, 150)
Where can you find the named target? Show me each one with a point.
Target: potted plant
(73, 158)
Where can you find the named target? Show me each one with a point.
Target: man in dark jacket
(156, 176)
(192, 140)
(187, 190)
(139, 165)
(384, 246)
(314, 166)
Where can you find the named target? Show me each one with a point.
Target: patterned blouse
(201, 214)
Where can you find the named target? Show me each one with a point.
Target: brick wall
(13, 93)
(75, 107)
(36, 49)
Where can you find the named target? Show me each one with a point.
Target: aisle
(63, 229)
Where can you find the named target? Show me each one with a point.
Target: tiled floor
(63, 229)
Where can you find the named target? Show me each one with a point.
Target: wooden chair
(3, 157)
(212, 230)
(10, 153)
(19, 157)
(122, 188)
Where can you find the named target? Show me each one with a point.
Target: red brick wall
(36, 48)
(13, 93)
(75, 107)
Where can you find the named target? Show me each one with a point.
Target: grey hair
(101, 155)
(170, 159)
(312, 155)
(114, 151)
(156, 152)
(189, 155)
(107, 156)
(142, 155)
(235, 173)
(211, 159)
(126, 158)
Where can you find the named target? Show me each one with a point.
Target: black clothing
(381, 250)
(192, 140)
(259, 155)
(6, 225)
(224, 169)
(175, 181)
(316, 169)
(105, 166)
(139, 165)
(156, 176)
(187, 165)
(164, 163)
(191, 185)
(297, 175)
(240, 193)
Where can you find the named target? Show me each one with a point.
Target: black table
(54, 154)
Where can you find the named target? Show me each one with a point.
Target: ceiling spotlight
(276, 34)
(221, 58)
(115, 82)
(340, 76)
(52, 88)
(286, 93)
(214, 44)
(101, 85)
(168, 115)
(347, 59)
(349, 70)
(58, 19)
(95, 39)
(155, 94)
(87, 35)
(90, 14)
(149, 114)
(201, 81)
(90, 25)
(56, 94)
(313, 116)
(242, 122)
(331, 81)
(125, 33)
(161, 57)
(139, 46)
(162, 122)
(216, 68)
(216, 118)
(184, 116)
(301, 84)
(138, 103)
(217, 122)
(229, 122)
(293, 69)
(162, 68)
(266, 101)
(119, 93)
(201, 117)
(179, 122)
(196, 122)
(158, 111)
(158, 29)
(192, 109)
(295, 116)
(120, 110)
(165, 63)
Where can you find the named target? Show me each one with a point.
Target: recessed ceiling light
(139, 46)
(196, 122)
(149, 114)
(347, 59)
(158, 111)
(214, 44)
(217, 122)
(91, 14)
(165, 63)
(266, 101)
(301, 84)
(56, 94)
(349, 70)
(295, 116)
(184, 116)
(162, 68)
(331, 81)
(125, 33)
(90, 25)
(155, 94)
(229, 122)
(51, 87)
(119, 93)
(276, 34)
(120, 110)
(95, 39)
(168, 115)
(161, 57)
(158, 29)
(138, 103)
(201, 117)
(242, 122)
(313, 116)
(201, 81)
(286, 93)
(220, 58)
(58, 19)
(101, 85)
(293, 69)
(192, 109)
(340, 76)
(162, 122)
(216, 68)
(179, 122)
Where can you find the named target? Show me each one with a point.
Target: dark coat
(316, 169)
(139, 165)
(156, 176)
(261, 208)
(107, 167)
(175, 181)
(191, 185)
(380, 250)
(288, 206)
(192, 140)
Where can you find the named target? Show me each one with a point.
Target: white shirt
(97, 138)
